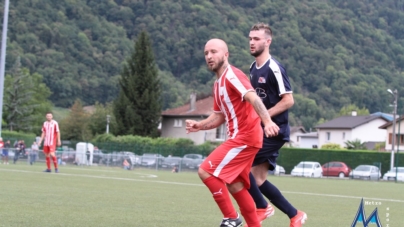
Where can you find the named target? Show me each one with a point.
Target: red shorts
(49, 149)
(231, 162)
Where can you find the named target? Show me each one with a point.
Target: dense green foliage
(25, 100)
(76, 125)
(332, 146)
(138, 108)
(336, 53)
(14, 136)
(98, 119)
(140, 145)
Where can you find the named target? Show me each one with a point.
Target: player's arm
(59, 141)
(213, 121)
(41, 139)
(270, 128)
(284, 104)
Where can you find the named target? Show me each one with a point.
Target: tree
(138, 107)
(98, 120)
(75, 125)
(355, 145)
(347, 110)
(25, 99)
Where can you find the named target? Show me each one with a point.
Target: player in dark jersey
(272, 85)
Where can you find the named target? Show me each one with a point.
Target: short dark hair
(262, 26)
(49, 112)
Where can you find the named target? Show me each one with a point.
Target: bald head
(216, 55)
(218, 44)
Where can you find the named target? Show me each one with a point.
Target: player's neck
(220, 72)
(261, 59)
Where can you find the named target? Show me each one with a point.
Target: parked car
(131, 157)
(68, 156)
(279, 170)
(192, 161)
(396, 171)
(170, 162)
(98, 155)
(149, 159)
(336, 169)
(112, 159)
(307, 169)
(195, 163)
(365, 172)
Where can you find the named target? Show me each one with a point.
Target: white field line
(199, 185)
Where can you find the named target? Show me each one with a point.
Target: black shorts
(269, 152)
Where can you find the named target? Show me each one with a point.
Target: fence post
(398, 148)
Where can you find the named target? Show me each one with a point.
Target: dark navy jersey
(270, 82)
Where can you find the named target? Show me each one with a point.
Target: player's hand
(59, 143)
(192, 126)
(271, 129)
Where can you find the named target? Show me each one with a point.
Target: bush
(333, 146)
(28, 138)
(140, 145)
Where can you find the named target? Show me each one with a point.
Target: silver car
(393, 173)
(367, 172)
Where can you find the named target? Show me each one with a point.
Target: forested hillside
(336, 52)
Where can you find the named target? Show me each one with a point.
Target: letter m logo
(361, 217)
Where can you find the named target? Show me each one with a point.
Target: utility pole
(108, 119)
(393, 137)
(3, 58)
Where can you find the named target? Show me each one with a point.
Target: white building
(349, 128)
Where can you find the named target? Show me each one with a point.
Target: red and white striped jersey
(243, 123)
(51, 130)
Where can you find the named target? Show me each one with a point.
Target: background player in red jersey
(227, 168)
(51, 137)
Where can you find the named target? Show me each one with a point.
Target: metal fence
(288, 160)
(126, 160)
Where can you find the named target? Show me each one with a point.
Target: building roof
(297, 129)
(388, 117)
(348, 122)
(203, 107)
(390, 123)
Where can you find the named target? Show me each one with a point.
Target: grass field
(103, 196)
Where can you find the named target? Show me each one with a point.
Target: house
(173, 121)
(349, 128)
(388, 127)
(294, 132)
(308, 140)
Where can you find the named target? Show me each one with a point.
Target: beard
(218, 66)
(258, 51)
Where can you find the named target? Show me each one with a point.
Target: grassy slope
(60, 113)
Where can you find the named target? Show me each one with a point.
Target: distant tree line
(337, 53)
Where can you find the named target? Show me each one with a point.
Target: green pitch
(102, 196)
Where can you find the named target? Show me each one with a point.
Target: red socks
(55, 162)
(222, 197)
(247, 207)
(48, 162)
